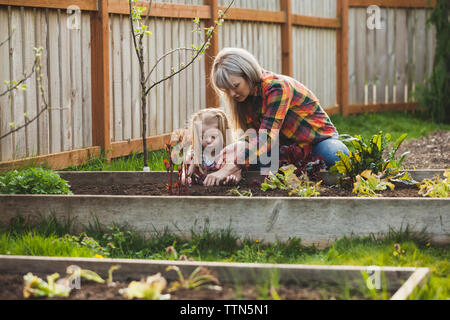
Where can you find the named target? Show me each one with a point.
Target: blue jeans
(327, 149)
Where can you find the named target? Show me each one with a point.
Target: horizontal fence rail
(90, 78)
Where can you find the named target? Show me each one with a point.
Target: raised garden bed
(317, 220)
(238, 280)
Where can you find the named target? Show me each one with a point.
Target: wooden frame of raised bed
(314, 220)
(400, 280)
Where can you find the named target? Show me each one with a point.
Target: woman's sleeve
(277, 100)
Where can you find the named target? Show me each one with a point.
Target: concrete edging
(314, 220)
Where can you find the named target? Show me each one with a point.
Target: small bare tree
(20, 85)
(139, 29)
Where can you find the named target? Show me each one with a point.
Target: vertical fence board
(76, 87)
(6, 149)
(18, 97)
(401, 54)
(411, 25)
(360, 26)
(430, 45)
(86, 100)
(176, 78)
(65, 83)
(43, 120)
(117, 79)
(391, 53)
(54, 80)
(30, 102)
(168, 85)
(159, 74)
(420, 47)
(127, 102)
(151, 62)
(381, 62)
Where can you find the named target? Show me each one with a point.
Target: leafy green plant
(33, 181)
(149, 288)
(240, 193)
(367, 183)
(198, 279)
(36, 287)
(437, 187)
(306, 188)
(284, 181)
(369, 156)
(74, 270)
(288, 180)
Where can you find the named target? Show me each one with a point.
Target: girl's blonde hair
(222, 124)
(237, 62)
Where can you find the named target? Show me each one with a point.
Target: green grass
(37, 237)
(133, 162)
(396, 123)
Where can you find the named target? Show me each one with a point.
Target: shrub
(33, 181)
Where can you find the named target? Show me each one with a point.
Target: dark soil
(432, 152)
(153, 189)
(12, 289)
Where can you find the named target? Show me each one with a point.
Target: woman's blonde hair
(237, 62)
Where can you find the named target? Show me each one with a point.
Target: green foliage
(33, 244)
(200, 278)
(306, 189)
(434, 95)
(367, 183)
(33, 181)
(83, 241)
(369, 156)
(437, 187)
(241, 193)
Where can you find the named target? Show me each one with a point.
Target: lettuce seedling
(437, 187)
(198, 279)
(36, 287)
(149, 289)
(367, 183)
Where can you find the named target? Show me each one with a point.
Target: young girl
(208, 133)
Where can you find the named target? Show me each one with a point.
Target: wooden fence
(89, 63)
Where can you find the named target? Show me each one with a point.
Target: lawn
(50, 237)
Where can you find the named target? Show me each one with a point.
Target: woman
(259, 99)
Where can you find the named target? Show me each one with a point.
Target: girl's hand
(233, 178)
(217, 177)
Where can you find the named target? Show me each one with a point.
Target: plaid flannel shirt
(284, 104)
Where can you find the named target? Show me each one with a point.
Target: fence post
(212, 99)
(342, 57)
(286, 39)
(100, 76)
